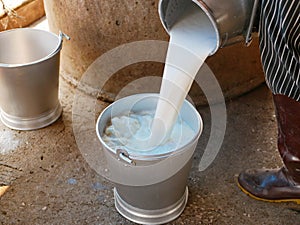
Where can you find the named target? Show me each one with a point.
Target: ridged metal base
(21, 123)
(158, 216)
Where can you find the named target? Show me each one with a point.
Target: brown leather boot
(281, 185)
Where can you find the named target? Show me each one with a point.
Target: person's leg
(282, 184)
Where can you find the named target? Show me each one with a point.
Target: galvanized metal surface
(29, 73)
(153, 189)
(232, 20)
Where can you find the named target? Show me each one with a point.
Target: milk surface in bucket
(131, 132)
(191, 42)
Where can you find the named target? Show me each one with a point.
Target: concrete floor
(51, 183)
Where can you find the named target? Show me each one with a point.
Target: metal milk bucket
(149, 189)
(232, 20)
(29, 74)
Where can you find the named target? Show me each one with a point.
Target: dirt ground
(50, 182)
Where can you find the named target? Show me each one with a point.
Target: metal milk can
(232, 20)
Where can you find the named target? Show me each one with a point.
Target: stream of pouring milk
(192, 39)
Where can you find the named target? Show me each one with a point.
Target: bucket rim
(154, 157)
(56, 49)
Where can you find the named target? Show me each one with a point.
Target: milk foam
(132, 132)
(192, 39)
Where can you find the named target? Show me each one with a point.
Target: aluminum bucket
(232, 20)
(29, 78)
(149, 189)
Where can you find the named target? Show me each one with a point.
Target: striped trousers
(279, 33)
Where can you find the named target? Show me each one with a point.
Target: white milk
(192, 39)
(131, 132)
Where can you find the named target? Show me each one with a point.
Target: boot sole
(267, 200)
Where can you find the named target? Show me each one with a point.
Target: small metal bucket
(232, 20)
(29, 74)
(149, 189)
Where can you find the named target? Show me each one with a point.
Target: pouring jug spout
(233, 21)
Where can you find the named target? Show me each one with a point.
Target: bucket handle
(123, 155)
(61, 36)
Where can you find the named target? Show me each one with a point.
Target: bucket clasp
(123, 155)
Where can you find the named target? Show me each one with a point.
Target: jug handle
(248, 38)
